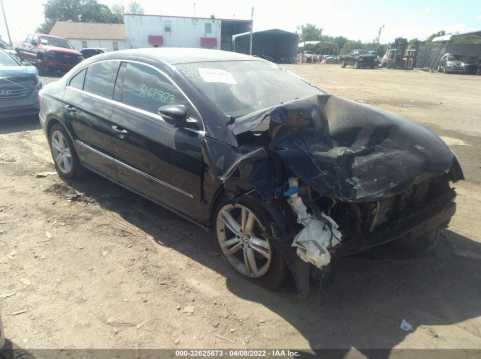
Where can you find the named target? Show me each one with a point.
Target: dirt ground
(92, 265)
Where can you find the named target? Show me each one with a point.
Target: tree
(135, 8)
(350, 45)
(118, 12)
(339, 41)
(439, 33)
(76, 10)
(309, 32)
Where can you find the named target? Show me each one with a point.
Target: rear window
(78, 80)
(100, 78)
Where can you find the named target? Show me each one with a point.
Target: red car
(50, 54)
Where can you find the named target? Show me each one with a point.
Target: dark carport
(274, 45)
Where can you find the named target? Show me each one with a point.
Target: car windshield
(455, 58)
(242, 87)
(6, 60)
(54, 41)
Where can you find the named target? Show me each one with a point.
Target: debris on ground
(189, 309)
(406, 326)
(19, 312)
(45, 174)
(7, 295)
(69, 193)
(25, 281)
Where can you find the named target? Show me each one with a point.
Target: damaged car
(287, 177)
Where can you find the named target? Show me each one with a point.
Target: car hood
(342, 149)
(59, 49)
(18, 71)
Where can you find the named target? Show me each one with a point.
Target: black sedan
(287, 176)
(360, 59)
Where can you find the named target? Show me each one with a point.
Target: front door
(161, 160)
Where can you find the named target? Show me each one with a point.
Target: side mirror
(176, 114)
(34, 42)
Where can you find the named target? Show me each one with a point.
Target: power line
(6, 23)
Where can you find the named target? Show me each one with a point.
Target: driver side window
(143, 87)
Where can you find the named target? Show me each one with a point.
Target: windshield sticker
(217, 75)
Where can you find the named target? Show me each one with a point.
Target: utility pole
(378, 40)
(252, 29)
(6, 23)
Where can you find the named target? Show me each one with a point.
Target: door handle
(70, 108)
(120, 130)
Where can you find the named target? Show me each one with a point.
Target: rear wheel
(356, 65)
(66, 161)
(244, 235)
(343, 64)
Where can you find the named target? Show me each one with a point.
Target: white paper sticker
(217, 75)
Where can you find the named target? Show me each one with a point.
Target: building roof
(193, 17)
(268, 32)
(88, 31)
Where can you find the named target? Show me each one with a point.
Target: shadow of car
(366, 300)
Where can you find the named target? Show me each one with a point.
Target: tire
(248, 241)
(343, 64)
(356, 65)
(63, 153)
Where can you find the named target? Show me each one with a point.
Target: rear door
(161, 160)
(88, 111)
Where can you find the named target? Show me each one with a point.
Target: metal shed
(274, 45)
(467, 45)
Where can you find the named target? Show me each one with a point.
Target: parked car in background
(329, 59)
(91, 51)
(267, 160)
(451, 63)
(360, 59)
(50, 54)
(19, 86)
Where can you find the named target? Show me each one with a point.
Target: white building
(84, 35)
(179, 31)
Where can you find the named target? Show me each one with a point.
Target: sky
(357, 20)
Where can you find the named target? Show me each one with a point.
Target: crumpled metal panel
(342, 149)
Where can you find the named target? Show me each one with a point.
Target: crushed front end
(343, 177)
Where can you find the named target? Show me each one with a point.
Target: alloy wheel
(62, 153)
(242, 239)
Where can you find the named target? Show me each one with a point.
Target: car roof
(175, 56)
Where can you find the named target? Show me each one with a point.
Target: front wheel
(244, 235)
